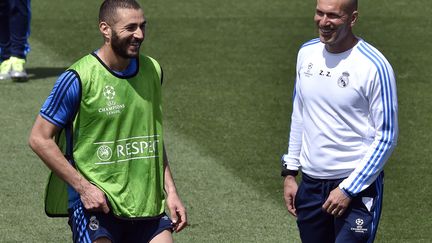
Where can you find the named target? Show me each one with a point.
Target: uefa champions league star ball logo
(112, 107)
(104, 153)
(359, 226)
(109, 92)
(308, 72)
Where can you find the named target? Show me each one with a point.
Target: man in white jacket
(343, 129)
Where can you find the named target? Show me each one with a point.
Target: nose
(324, 20)
(139, 34)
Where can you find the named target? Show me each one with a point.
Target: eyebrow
(136, 24)
(328, 13)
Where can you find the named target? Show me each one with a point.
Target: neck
(112, 60)
(345, 45)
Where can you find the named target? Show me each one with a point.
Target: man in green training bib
(100, 132)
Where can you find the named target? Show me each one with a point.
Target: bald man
(343, 130)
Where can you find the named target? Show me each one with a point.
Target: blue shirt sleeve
(61, 105)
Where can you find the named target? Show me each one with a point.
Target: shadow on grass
(44, 72)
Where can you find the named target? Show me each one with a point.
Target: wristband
(347, 193)
(286, 172)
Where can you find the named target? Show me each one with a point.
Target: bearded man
(100, 132)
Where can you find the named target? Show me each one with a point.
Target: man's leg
(4, 30)
(88, 227)
(102, 240)
(149, 230)
(163, 237)
(359, 224)
(314, 224)
(19, 27)
(5, 65)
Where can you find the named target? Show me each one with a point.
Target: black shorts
(89, 226)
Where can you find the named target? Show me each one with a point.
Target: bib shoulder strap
(158, 68)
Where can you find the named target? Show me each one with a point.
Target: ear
(105, 29)
(354, 17)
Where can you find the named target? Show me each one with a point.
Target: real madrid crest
(94, 223)
(343, 80)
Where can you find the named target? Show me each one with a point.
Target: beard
(120, 46)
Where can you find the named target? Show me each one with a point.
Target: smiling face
(335, 19)
(128, 32)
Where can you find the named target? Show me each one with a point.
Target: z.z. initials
(324, 73)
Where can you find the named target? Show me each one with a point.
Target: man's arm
(175, 206)
(290, 191)
(42, 142)
(383, 110)
(290, 161)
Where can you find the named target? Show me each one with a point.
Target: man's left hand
(336, 203)
(177, 211)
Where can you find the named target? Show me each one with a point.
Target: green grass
(229, 68)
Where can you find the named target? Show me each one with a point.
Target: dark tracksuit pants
(358, 224)
(14, 28)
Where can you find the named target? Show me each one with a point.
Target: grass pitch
(229, 70)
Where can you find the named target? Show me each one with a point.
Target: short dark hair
(107, 11)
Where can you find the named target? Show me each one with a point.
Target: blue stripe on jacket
(378, 157)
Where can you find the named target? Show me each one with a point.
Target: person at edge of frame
(15, 17)
(343, 130)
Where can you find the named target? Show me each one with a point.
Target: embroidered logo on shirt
(308, 72)
(112, 107)
(127, 149)
(343, 80)
(104, 153)
(94, 223)
(109, 92)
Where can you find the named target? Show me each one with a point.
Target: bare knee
(102, 240)
(163, 237)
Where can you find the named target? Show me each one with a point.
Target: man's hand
(42, 142)
(290, 191)
(177, 212)
(93, 198)
(336, 203)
